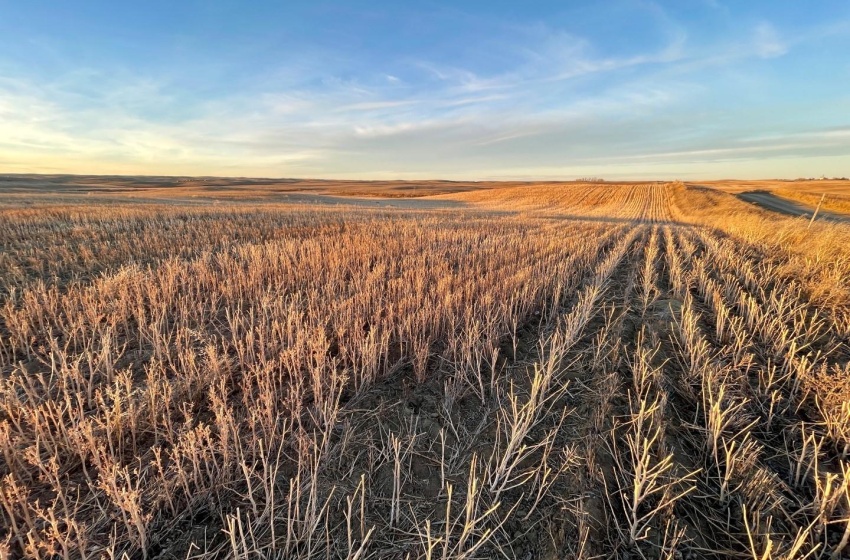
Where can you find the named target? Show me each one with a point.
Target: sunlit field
(436, 371)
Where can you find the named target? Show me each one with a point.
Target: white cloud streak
(551, 110)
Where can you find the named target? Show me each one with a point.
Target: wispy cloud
(376, 105)
(767, 42)
(552, 100)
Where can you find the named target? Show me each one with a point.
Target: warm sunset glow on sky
(467, 90)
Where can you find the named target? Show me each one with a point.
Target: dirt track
(420, 203)
(770, 201)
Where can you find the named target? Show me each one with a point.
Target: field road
(418, 203)
(770, 201)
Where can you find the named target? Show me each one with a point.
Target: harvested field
(531, 371)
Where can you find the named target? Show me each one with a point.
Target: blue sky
(459, 90)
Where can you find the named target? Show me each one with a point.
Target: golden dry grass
(48, 187)
(836, 194)
(538, 371)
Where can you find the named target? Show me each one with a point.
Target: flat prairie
(246, 368)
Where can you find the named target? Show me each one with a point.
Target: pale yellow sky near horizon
(785, 168)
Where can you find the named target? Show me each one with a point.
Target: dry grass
(635, 370)
(835, 193)
(831, 202)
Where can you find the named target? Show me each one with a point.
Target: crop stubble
(644, 370)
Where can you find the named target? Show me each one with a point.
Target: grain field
(647, 370)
